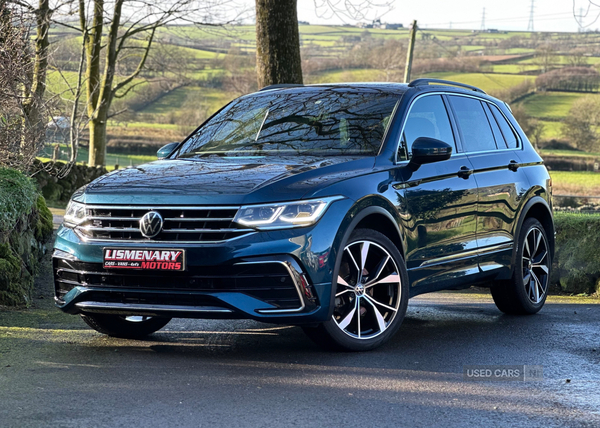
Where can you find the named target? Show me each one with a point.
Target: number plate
(144, 259)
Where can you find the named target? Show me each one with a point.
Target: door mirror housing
(165, 151)
(428, 150)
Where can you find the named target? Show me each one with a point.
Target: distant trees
(578, 58)
(532, 127)
(516, 92)
(545, 56)
(581, 79)
(580, 127)
(240, 68)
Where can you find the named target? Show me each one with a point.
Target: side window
(507, 131)
(473, 123)
(495, 128)
(427, 118)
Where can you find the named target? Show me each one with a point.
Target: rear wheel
(131, 327)
(525, 293)
(371, 295)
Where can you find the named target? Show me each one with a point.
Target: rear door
(492, 147)
(437, 203)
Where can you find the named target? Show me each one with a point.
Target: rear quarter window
(509, 135)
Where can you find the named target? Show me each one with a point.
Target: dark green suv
(326, 206)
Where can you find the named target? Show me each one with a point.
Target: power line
(530, 25)
(564, 15)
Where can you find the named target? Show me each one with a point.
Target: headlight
(74, 214)
(285, 214)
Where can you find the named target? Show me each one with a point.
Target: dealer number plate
(144, 259)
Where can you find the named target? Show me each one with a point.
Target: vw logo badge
(151, 224)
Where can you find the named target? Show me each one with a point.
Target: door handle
(513, 165)
(465, 172)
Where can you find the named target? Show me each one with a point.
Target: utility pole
(483, 20)
(409, 54)
(530, 25)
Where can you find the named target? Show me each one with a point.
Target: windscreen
(315, 122)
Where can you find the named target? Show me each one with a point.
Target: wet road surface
(56, 372)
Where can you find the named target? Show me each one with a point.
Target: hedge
(576, 267)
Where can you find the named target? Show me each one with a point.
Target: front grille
(270, 282)
(181, 224)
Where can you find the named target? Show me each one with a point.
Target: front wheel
(130, 327)
(371, 295)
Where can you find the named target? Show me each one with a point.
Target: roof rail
(280, 86)
(423, 82)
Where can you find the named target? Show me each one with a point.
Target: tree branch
(140, 66)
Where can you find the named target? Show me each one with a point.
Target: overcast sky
(549, 15)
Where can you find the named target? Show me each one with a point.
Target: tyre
(370, 298)
(525, 293)
(131, 327)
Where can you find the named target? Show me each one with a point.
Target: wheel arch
(377, 214)
(373, 213)
(538, 208)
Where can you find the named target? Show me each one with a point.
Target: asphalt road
(56, 372)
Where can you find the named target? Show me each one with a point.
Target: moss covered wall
(25, 227)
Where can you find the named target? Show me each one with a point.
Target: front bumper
(279, 276)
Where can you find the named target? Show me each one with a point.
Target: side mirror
(165, 151)
(428, 150)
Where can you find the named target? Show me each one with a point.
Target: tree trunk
(34, 121)
(92, 76)
(277, 42)
(97, 128)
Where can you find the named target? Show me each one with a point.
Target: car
(323, 206)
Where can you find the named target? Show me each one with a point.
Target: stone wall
(25, 228)
(60, 190)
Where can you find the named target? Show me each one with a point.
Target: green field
(112, 159)
(576, 183)
(552, 105)
(552, 130)
(569, 153)
(64, 84)
(487, 82)
(513, 68)
(160, 119)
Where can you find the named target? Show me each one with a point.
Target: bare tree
(537, 132)
(241, 77)
(352, 10)
(119, 28)
(581, 124)
(545, 56)
(34, 94)
(578, 58)
(23, 109)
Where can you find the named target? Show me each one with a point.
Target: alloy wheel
(535, 265)
(368, 292)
